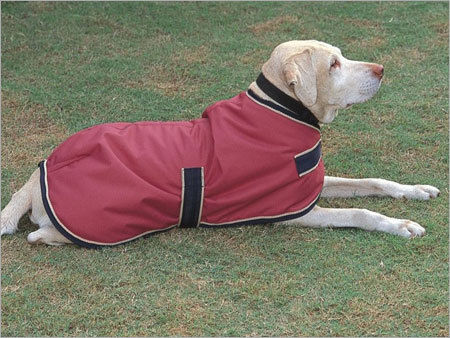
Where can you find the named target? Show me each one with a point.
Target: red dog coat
(246, 161)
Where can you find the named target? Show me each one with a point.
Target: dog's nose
(377, 70)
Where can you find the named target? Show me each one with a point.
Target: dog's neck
(265, 89)
(255, 88)
(323, 113)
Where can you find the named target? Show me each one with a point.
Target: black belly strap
(192, 197)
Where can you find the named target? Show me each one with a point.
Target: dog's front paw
(427, 191)
(416, 192)
(411, 229)
(404, 228)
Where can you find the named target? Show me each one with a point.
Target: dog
(255, 158)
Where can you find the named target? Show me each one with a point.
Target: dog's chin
(360, 99)
(365, 93)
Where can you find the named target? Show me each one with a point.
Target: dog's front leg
(358, 218)
(349, 187)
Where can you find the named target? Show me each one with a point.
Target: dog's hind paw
(47, 235)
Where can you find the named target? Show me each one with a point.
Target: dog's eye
(335, 64)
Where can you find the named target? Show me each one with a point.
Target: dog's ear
(300, 75)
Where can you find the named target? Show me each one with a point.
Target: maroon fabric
(114, 182)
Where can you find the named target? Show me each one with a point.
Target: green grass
(66, 66)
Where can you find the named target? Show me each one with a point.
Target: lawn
(69, 65)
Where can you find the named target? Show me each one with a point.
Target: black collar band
(303, 113)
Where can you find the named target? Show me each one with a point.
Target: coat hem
(263, 220)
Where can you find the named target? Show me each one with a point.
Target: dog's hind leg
(47, 235)
(20, 203)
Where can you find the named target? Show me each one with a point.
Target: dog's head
(319, 76)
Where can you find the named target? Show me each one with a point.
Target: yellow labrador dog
(316, 75)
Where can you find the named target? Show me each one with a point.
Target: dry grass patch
(187, 312)
(160, 78)
(379, 120)
(255, 57)
(439, 25)
(27, 127)
(363, 23)
(272, 24)
(190, 56)
(39, 7)
(179, 330)
(376, 314)
(441, 29)
(401, 57)
(170, 82)
(103, 22)
(370, 44)
(334, 141)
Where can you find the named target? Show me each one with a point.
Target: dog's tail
(20, 203)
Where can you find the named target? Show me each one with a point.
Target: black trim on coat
(260, 221)
(52, 217)
(283, 110)
(297, 107)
